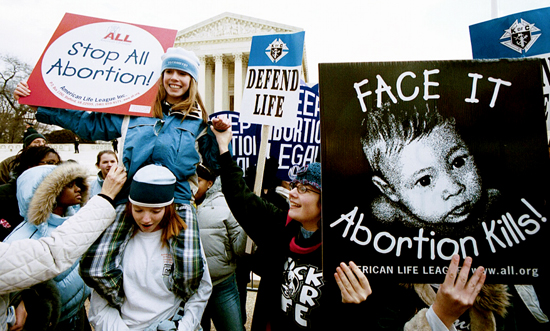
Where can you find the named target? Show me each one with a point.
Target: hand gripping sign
(99, 65)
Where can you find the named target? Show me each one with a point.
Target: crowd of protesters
(157, 245)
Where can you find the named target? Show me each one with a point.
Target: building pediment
(229, 26)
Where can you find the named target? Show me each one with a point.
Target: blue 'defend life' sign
(272, 86)
(291, 147)
(520, 35)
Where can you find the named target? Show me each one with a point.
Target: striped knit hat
(152, 186)
(309, 175)
(181, 59)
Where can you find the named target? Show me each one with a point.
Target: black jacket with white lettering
(291, 286)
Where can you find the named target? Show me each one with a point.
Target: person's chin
(294, 213)
(291, 214)
(175, 92)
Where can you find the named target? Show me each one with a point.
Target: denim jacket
(176, 143)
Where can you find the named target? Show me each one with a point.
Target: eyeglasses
(301, 188)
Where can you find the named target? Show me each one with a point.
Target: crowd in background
(156, 241)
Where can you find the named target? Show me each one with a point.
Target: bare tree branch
(12, 115)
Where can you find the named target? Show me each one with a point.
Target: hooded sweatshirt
(37, 191)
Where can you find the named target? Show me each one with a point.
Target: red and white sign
(99, 65)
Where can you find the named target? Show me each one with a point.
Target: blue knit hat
(152, 186)
(181, 59)
(309, 175)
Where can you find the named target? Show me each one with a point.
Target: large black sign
(421, 160)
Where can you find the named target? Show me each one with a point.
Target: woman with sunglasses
(291, 291)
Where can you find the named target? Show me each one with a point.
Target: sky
(336, 31)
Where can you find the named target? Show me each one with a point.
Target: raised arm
(244, 204)
(220, 126)
(87, 125)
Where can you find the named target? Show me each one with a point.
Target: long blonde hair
(189, 101)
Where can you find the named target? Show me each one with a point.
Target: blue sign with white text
(290, 147)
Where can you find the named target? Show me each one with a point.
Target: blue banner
(282, 49)
(291, 147)
(296, 147)
(524, 34)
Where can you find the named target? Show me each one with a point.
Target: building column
(225, 88)
(202, 77)
(238, 81)
(209, 90)
(218, 83)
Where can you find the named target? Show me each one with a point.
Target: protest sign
(292, 148)
(245, 143)
(100, 65)
(520, 35)
(271, 90)
(428, 159)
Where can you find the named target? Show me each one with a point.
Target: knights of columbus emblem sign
(276, 50)
(520, 36)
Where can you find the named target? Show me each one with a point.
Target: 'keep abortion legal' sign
(99, 65)
(291, 147)
(272, 88)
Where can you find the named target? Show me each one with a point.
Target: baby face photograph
(423, 168)
(429, 159)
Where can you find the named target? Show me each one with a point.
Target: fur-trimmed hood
(493, 299)
(39, 187)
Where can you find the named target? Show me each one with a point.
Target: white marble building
(222, 44)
